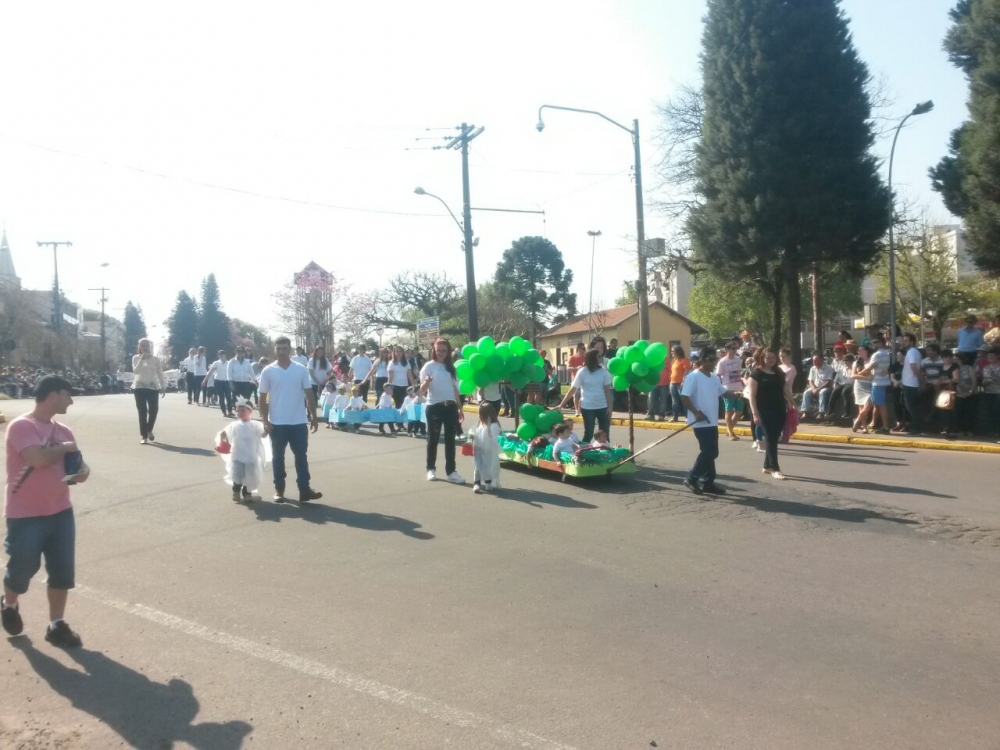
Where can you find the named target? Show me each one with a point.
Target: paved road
(854, 606)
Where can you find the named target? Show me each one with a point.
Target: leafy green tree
(785, 173)
(182, 327)
(968, 178)
(628, 296)
(533, 274)
(242, 333)
(500, 316)
(135, 329)
(213, 324)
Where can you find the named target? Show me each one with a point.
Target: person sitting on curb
(819, 386)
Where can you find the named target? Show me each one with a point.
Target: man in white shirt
(220, 369)
(730, 372)
(187, 364)
(287, 405)
(912, 377)
(239, 373)
(700, 396)
(200, 371)
(843, 385)
(819, 387)
(361, 370)
(300, 357)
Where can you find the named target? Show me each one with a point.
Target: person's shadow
(144, 713)
(319, 513)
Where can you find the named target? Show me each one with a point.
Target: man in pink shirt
(38, 511)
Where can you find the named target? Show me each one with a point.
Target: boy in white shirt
(414, 427)
(385, 402)
(700, 396)
(563, 443)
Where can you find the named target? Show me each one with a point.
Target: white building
(672, 286)
(952, 238)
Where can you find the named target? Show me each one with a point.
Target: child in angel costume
(486, 449)
(246, 451)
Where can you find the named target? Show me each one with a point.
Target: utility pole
(104, 334)
(640, 231)
(461, 142)
(57, 297)
(594, 234)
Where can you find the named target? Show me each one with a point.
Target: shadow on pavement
(536, 499)
(144, 713)
(677, 476)
(184, 450)
(806, 510)
(319, 514)
(884, 461)
(871, 487)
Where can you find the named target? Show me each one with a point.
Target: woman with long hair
(770, 397)
(400, 376)
(147, 387)
(439, 386)
(381, 371)
(320, 370)
(591, 390)
(862, 389)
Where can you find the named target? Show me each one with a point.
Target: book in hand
(73, 466)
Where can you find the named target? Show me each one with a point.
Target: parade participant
(187, 365)
(200, 371)
(360, 371)
(486, 451)
(564, 443)
(300, 357)
(700, 395)
(247, 454)
(148, 386)
(39, 514)
(400, 376)
(239, 373)
(600, 440)
(591, 392)
(439, 385)
(414, 427)
(770, 397)
(258, 367)
(286, 415)
(729, 371)
(385, 402)
(340, 403)
(320, 370)
(220, 368)
(381, 374)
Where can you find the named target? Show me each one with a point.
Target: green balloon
(467, 387)
(643, 386)
(641, 345)
(494, 365)
(527, 431)
(537, 374)
(532, 357)
(634, 355)
(503, 350)
(623, 352)
(551, 418)
(514, 363)
(656, 354)
(463, 369)
(487, 346)
(620, 383)
(529, 412)
(617, 366)
(478, 361)
(640, 369)
(482, 378)
(519, 346)
(651, 382)
(518, 380)
(468, 350)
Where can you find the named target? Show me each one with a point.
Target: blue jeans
(29, 538)
(808, 400)
(703, 471)
(602, 419)
(659, 401)
(675, 399)
(296, 436)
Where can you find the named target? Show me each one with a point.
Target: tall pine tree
(533, 274)
(784, 167)
(968, 178)
(182, 326)
(213, 324)
(135, 329)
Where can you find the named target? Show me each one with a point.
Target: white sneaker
(456, 478)
(754, 446)
(431, 475)
(476, 489)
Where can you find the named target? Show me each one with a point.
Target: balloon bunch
(537, 421)
(486, 362)
(638, 366)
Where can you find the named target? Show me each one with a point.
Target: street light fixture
(640, 223)
(920, 109)
(421, 191)
(593, 234)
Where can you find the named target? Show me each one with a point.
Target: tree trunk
(777, 316)
(817, 312)
(794, 317)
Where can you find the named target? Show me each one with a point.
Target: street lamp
(593, 234)
(640, 230)
(920, 109)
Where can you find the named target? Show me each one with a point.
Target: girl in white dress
(248, 452)
(486, 450)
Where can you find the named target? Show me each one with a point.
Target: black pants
(241, 389)
(398, 394)
(965, 413)
(911, 397)
(496, 405)
(773, 422)
(379, 386)
(703, 471)
(842, 395)
(147, 401)
(225, 396)
(193, 387)
(444, 414)
(363, 389)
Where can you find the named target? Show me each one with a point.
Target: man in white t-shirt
(287, 405)
(700, 396)
(730, 372)
(300, 357)
(187, 364)
(361, 370)
(912, 378)
(200, 371)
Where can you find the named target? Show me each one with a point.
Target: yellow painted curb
(811, 437)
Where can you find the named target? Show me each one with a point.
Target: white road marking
(440, 711)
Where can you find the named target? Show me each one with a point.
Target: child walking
(247, 452)
(385, 402)
(414, 427)
(340, 402)
(486, 450)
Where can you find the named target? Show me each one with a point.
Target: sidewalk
(820, 433)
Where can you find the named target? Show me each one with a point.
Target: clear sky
(119, 116)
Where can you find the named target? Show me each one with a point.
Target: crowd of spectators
(19, 382)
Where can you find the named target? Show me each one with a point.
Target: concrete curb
(812, 437)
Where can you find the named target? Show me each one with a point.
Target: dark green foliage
(213, 324)
(183, 327)
(135, 329)
(533, 274)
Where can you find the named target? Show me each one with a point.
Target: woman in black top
(770, 396)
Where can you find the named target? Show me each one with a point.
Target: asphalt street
(853, 606)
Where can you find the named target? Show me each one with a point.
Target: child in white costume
(486, 450)
(249, 452)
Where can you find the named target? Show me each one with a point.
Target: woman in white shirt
(320, 370)
(400, 376)
(381, 372)
(147, 386)
(591, 390)
(439, 385)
